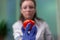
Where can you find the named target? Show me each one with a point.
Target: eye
(25, 7)
(31, 7)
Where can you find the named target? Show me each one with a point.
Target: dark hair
(35, 15)
(28, 0)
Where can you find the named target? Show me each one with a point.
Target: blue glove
(29, 35)
(33, 33)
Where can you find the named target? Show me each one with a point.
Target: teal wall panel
(11, 17)
(46, 9)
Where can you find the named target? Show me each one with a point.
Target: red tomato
(28, 21)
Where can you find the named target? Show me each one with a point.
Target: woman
(40, 31)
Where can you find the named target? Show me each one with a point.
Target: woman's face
(28, 9)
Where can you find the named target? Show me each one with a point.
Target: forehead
(28, 3)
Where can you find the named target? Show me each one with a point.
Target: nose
(28, 9)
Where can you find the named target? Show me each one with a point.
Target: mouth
(28, 12)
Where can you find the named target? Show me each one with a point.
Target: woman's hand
(29, 35)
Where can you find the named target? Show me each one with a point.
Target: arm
(47, 34)
(16, 33)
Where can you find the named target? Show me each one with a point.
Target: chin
(29, 18)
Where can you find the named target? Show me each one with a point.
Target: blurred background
(49, 10)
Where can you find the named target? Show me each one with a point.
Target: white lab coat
(43, 32)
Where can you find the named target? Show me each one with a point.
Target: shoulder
(41, 22)
(17, 24)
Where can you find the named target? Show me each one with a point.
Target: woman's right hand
(29, 35)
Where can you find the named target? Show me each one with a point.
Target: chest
(40, 31)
